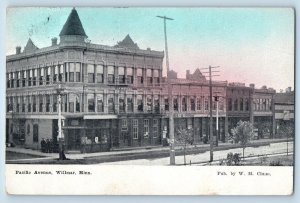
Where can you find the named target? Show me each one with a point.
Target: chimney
(54, 41)
(264, 87)
(252, 85)
(187, 76)
(18, 50)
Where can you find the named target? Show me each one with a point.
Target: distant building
(285, 113)
(116, 97)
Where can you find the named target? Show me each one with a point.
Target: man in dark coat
(43, 145)
(48, 146)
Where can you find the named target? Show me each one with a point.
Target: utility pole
(211, 135)
(171, 116)
(60, 137)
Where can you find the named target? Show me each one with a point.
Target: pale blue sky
(250, 45)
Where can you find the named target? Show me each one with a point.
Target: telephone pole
(171, 116)
(211, 135)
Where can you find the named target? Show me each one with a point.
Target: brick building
(115, 96)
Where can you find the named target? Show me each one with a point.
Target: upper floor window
(121, 104)
(129, 103)
(246, 105)
(235, 105)
(41, 73)
(74, 72)
(41, 102)
(149, 103)
(140, 104)
(111, 74)
(184, 104)
(91, 73)
(149, 76)
(48, 73)
(139, 74)
(18, 78)
(55, 75)
(47, 103)
(91, 102)
(206, 105)
(193, 106)
(100, 103)
(54, 106)
(156, 104)
(130, 75)
(99, 72)
(175, 104)
(166, 101)
(241, 104)
(33, 103)
(8, 77)
(199, 104)
(111, 103)
(34, 77)
(24, 78)
(156, 77)
(121, 73)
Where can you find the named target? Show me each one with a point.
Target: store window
(155, 128)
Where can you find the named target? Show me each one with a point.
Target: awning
(111, 116)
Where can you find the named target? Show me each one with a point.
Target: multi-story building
(115, 96)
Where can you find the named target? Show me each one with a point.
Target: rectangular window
(130, 75)
(41, 73)
(18, 78)
(91, 73)
(33, 103)
(199, 104)
(155, 128)
(149, 76)
(166, 101)
(54, 106)
(129, 103)
(235, 105)
(140, 104)
(111, 74)
(206, 105)
(156, 77)
(100, 103)
(175, 104)
(61, 72)
(48, 73)
(34, 77)
(156, 104)
(139, 74)
(77, 72)
(121, 73)
(29, 103)
(24, 78)
(47, 103)
(111, 103)
(66, 70)
(12, 80)
(71, 106)
(241, 104)
(146, 127)
(23, 103)
(193, 106)
(55, 75)
(121, 104)
(135, 129)
(8, 80)
(41, 103)
(99, 72)
(184, 104)
(18, 104)
(30, 77)
(71, 72)
(229, 104)
(246, 104)
(91, 102)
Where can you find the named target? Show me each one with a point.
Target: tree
(184, 137)
(242, 134)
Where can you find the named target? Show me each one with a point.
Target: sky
(251, 45)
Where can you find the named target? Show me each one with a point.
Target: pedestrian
(43, 145)
(48, 145)
(51, 146)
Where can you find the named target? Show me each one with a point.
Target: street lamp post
(60, 137)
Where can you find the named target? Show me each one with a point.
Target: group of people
(48, 146)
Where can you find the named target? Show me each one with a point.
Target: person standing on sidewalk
(48, 145)
(43, 145)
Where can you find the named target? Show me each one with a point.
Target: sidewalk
(135, 152)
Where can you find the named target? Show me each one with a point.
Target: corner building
(112, 96)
